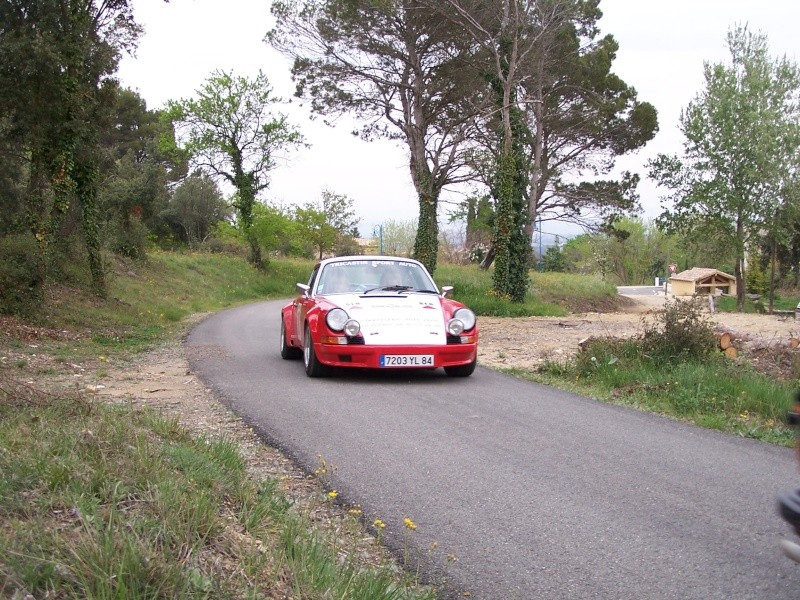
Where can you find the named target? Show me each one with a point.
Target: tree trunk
(426, 244)
(87, 196)
(488, 259)
(739, 270)
(773, 260)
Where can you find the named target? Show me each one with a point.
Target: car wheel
(461, 370)
(287, 352)
(314, 368)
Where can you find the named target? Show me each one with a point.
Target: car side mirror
(446, 289)
(303, 289)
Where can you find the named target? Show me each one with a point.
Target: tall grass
(101, 501)
(673, 369)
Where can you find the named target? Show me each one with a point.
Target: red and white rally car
(377, 312)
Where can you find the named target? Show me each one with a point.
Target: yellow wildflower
(379, 524)
(409, 524)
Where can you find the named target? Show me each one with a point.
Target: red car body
(377, 313)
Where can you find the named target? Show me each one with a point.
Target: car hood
(395, 319)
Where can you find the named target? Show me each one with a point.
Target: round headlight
(466, 316)
(352, 328)
(455, 327)
(336, 318)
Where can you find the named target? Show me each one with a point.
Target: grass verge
(673, 369)
(108, 501)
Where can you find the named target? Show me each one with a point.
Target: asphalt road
(540, 494)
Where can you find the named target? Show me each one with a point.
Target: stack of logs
(726, 343)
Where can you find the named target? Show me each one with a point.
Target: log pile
(725, 342)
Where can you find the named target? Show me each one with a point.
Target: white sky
(662, 49)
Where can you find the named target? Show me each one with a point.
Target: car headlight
(466, 316)
(352, 328)
(455, 327)
(336, 319)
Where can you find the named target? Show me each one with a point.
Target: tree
(578, 116)
(231, 132)
(400, 72)
(136, 168)
(740, 150)
(196, 207)
(56, 59)
(327, 221)
(397, 237)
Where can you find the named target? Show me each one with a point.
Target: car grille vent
(453, 339)
(355, 341)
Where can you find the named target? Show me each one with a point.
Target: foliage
(757, 282)
(512, 246)
(681, 332)
(137, 167)
(231, 132)
(20, 284)
(721, 186)
(327, 222)
(195, 209)
(578, 115)
(278, 231)
(396, 238)
(66, 52)
(554, 260)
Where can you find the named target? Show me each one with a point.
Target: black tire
(461, 370)
(288, 352)
(314, 368)
(789, 506)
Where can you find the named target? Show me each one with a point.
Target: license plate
(406, 360)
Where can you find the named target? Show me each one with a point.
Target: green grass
(101, 501)
(550, 294)
(708, 390)
(728, 304)
(148, 301)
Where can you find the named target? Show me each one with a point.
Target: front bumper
(369, 357)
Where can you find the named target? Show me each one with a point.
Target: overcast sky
(662, 49)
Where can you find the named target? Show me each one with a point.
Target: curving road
(539, 493)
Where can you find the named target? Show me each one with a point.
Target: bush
(680, 332)
(20, 278)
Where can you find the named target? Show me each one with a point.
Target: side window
(313, 278)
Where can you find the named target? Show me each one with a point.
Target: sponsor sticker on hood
(403, 320)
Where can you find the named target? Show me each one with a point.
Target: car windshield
(370, 276)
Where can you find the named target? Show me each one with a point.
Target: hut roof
(699, 273)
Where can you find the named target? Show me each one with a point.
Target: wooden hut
(702, 281)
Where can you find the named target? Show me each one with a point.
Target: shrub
(20, 279)
(680, 332)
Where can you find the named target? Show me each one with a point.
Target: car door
(302, 304)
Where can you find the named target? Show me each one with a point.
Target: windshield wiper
(390, 288)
